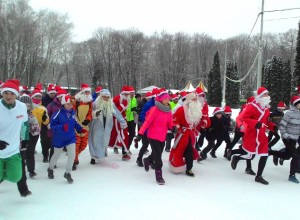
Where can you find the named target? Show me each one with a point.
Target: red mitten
(66, 127)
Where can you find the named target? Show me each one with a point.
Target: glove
(3, 145)
(83, 131)
(258, 125)
(66, 127)
(85, 122)
(139, 137)
(174, 129)
(134, 109)
(97, 113)
(44, 117)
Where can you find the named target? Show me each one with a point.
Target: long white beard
(126, 98)
(201, 100)
(264, 101)
(83, 98)
(106, 107)
(193, 112)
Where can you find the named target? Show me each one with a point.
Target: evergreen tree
(286, 82)
(296, 72)
(214, 83)
(232, 88)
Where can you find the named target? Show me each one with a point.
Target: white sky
(218, 18)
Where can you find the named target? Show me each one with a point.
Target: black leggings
(188, 155)
(157, 149)
(144, 147)
(30, 160)
(131, 132)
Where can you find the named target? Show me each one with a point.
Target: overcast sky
(218, 18)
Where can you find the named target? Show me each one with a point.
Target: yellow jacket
(38, 113)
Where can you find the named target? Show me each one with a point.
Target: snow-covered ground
(114, 189)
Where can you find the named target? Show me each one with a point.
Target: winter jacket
(146, 108)
(46, 100)
(38, 113)
(131, 110)
(83, 112)
(289, 126)
(216, 129)
(276, 116)
(157, 124)
(62, 138)
(51, 108)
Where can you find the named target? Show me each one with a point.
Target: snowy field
(114, 189)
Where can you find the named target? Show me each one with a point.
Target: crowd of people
(65, 123)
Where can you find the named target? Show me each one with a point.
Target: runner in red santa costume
(119, 134)
(255, 119)
(188, 118)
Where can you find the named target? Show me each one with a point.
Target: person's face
(105, 98)
(298, 106)
(265, 95)
(218, 115)
(126, 95)
(68, 106)
(59, 98)
(38, 97)
(86, 92)
(9, 97)
(166, 102)
(52, 95)
(175, 101)
(280, 110)
(139, 99)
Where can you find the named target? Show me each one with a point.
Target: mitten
(98, 113)
(3, 145)
(258, 125)
(86, 122)
(66, 127)
(139, 137)
(44, 117)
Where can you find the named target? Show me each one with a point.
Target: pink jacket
(157, 124)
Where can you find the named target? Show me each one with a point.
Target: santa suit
(186, 135)
(255, 140)
(119, 136)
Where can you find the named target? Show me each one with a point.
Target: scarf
(162, 107)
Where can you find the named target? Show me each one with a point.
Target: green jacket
(25, 129)
(131, 110)
(172, 105)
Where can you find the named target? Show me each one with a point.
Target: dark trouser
(157, 149)
(144, 147)
(30, 161)
(169, 138)
(45, 142)
(236, 138)
(131, 132)
(275, 140)
(290, 152)
(22, 184)
(242, 152)
(188, 155)
(226, 138)
(201, 139)
(210, 145)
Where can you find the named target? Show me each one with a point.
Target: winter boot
(139, 162)
(116, 151)
(281, 161)
(234, 162)
(250, 171)
(292, 178)
(27, 193)
(50, 173)
(32, 174)
(125, 157)
(74, 167)
(189, 173)
(159, 178)
(68, 177)
(228, 154)
(45, 160)
(261, 180)
(275, 160)
(146, 164)
(201, 157)
(213, 154)
(92, 161)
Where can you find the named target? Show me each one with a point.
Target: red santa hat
(155, 91)
(217, 110)
(39, 86)
(65, 99)
(57, 88)
(261, 91)
(125, 90)
(199, 91)
(23, 88)
(295, 100)
(61, 92)
(11, 85)
(183, 94)
(227, 110)
(85, 88)
(162, 91)
(250, 99)
(149, 95)
(98, 89)
(51, 89)
(131, 89)
(281, 105)
(36, 92)
(174, 96)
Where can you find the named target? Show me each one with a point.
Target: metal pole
(260, 49)
(224, 78)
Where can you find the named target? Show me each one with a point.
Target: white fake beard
(85, 98)
(126, 98)
(201, 100)
(193, 112)
(264, 101)
(105, 106)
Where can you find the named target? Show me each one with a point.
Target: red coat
(185, 134)
(121, 106)
(255, 140)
